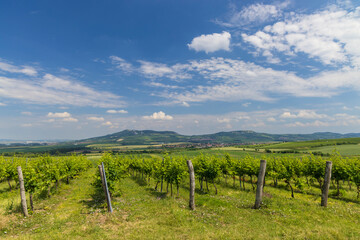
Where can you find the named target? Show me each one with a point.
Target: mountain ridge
(148, 137)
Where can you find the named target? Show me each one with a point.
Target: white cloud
(2, 104)
(254, 14)
(97, 119)
(229, 80)
(223, 120)
(121, 64)
(49, 120)
(112, 111)
(52, 90)
(185, 104)
(159, 116)
(27, 70)
(69, 119)
(108, 123)
(26, 125)
(316, 123)
(159, 70)
(271, 119)
(59, 115)
(327, 36)
(307, 114)
(211, 42)
(161, 85)
(246, 104)
(234, 80)
(65, 70)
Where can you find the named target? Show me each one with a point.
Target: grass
(309, 144)
(114, 146)
(78, 211)
(344, 150)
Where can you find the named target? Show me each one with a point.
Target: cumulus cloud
(309, 114)
(223, 120)
(211, 42)
(316, 123)
(121, 64)
(62, 117)
(158, 116)
(27, 70)
(65, 70)
(254, 14)
(112, 111)
(52, 90)
(69, 119)
(107, 123)
(234, 80)
(97, 119)
(327, 36)
(223, 79)
(59, 115)
(159, 70)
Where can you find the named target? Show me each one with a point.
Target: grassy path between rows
(78, 211)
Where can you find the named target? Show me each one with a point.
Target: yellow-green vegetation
(345, 150)
(346, 147)
(78, 209)
(114, 146)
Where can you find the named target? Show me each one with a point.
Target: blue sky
(78, 69)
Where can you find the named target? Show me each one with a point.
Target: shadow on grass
(97, 199)
(140, 181)
(13, 207)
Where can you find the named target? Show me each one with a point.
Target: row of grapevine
(293, 171)
(42, 172)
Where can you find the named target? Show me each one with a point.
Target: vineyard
(42, 173)
(152, 188)
(295, 172)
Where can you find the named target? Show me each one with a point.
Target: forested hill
(144, 137)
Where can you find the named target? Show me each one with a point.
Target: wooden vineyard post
(260, 184)
(108, 199)
(192, 185)
(162, 177)
(22, 192)
(102, 179)
(326, 186)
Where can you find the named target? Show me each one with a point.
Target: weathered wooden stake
(260, 184)
(192, 185)
(326, 185)
(22, 192)
(162, 178)
(102, 179)
(108, 199)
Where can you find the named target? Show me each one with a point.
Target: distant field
(112, 146)
(345, 147)
(309, 144)
(344, 150)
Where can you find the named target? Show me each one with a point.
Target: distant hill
(146, 137)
